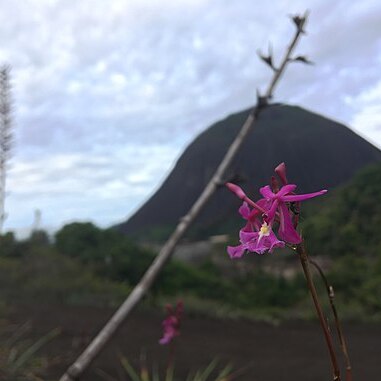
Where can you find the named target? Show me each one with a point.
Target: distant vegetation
(348, 221)
(346, 228)
(33, 270)
(89, 265)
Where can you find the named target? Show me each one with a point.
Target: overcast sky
(107, 94)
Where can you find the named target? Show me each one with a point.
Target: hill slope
(319, 153)
(349, 219)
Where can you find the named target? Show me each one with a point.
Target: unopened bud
(280, 170)
(237, 190)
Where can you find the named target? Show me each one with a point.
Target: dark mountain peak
(319, 153)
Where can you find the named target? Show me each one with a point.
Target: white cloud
(101, 187)
(366, 119)
(107, 94)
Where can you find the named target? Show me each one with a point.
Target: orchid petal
(236, 251)
(264, 243)
(267, 193)
(273, 242)
(301, 197)
(246, 236)
(272, 211)
(280, 170)
(258, 247)
(244, 210)
(286, 189)
(287, 231)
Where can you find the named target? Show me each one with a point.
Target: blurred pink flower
(171, 324)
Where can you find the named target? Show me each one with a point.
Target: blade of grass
(155, 373)
(208, 370)
(169, 373)
(223, 375)
(25, 356)
(18, 334)
(104, 375)
(129, 369)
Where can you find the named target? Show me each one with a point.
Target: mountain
(319, 153)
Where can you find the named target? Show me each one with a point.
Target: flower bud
(237, 190)
(280, 170)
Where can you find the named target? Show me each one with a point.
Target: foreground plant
(210, 373)
(279, 209)
(171, 330)
(18, 357)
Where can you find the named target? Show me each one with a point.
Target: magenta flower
(280, 170)
(256, 236)
(279, 201)
(277, 206)
(255, 241)
(171, 324)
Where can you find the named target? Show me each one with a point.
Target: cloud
(99, 186)
(107, 95)
(368, 112)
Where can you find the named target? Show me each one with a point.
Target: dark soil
(289, 352)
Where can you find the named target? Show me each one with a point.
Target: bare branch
(300, 21)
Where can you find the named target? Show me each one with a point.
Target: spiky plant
(5, 134)
(209, 373)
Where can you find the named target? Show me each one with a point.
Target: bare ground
(289, 352)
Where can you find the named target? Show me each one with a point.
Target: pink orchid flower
(255, 236)
(255, 241)
(279, 200)
(171, 324)
(275, 207)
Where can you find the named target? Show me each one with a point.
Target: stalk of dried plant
(5, 135)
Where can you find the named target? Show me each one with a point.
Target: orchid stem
(311, 286)
(343, 343)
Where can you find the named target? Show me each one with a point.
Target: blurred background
(114, 116)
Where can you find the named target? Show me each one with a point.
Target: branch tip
(300, 21)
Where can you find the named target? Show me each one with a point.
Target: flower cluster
(280, 206)
(171, 324)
